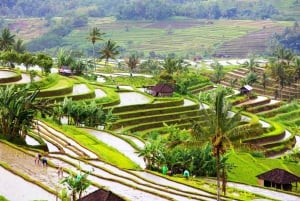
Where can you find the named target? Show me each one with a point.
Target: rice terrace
(149, 100)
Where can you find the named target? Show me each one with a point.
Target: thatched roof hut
(101, 195)
(162, 89)
(278, 178)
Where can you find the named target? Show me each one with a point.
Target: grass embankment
(247, 167)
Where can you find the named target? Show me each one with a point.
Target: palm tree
(251, 64)
(10, 57)
(297, 70)
(132, 62)
(264, 80)
(19, 46)
(219, 128)
(218, 72)
(109, 51)
(94, 36)
(77, 184)
(7, 40)
(172, 65)
(44, 61)
(28, 59)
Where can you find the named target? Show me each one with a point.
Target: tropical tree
(45, 62)
(18, 107)
(109, 51)
(94, 36)
(19, 46)
(250, 78)
(296, 67)
(77, 184)
(218, 73)
(64, 58)
(28, 59)
(153, 153)
(264, 80)
(172, 65)
(132, 61)
(7, 40)
(219, 127)
(10, 57)
(251, 64)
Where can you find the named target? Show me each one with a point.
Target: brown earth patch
(252, 43)
(28, 29)
(176, 25)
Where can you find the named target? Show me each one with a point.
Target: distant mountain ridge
(154, 9)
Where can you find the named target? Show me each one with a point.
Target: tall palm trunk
(94, 57)
(218, 174)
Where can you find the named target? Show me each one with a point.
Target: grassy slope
(187, 36)
(247, 167)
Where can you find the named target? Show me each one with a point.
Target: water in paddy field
(4, 74)
(132, 98)
(25, 190)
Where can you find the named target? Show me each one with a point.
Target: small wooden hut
(278, 178)
(101, 195)
(246, 90)
(162, 89)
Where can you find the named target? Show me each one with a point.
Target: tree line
(147, 9)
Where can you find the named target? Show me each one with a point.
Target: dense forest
(152, 9)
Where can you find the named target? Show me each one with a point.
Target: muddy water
(118, 188)
(5, 74)
(71, 142)
(99, 93)
(132, 98)
(80, 89)
(25, 77)
(31, 141)
(25, 164)
(25, 190)
(111, 181)
(118, 144)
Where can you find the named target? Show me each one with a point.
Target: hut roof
(279, 176)
(248, 87)
(101, 195)
(162, 88)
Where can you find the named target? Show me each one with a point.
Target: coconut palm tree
(297, 70)
(10, 57)
(44, 61)
(109, 51)
(218, 73)
(220, 126)
(19, 46)
(251, 64)
(28, 59)
(132, 61)
(77, 184)
(7, 40)
(94, 36)
(172, 65)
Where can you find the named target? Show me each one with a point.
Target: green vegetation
(3, 198)
(254, 167)
(105, 152)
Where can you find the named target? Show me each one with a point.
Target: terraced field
(136, 113)
(254, 43)
(182, 37)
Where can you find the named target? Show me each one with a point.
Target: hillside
(184, 37)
